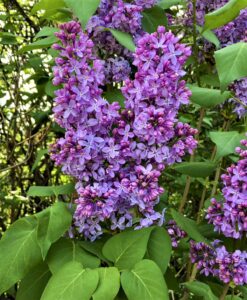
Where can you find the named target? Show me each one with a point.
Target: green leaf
(127, 248)
(67, 250)
(225, 14)
(188, 226)
(109, 284)
(243, 290)
(50, 89)
(210, 36)
(95, 247)
(115, 95)
(211, 80)
(20, 252)
(71, 282)
(33, 285)
(196, 169)
(168, 3)
(152, 18)
(47, 5)
(159, 248)
(144, 282)
(53, 222)
(231, 63)
(226, 142)
(201, 289)
(39, 157)
(46, 31)
(124, 39)
(207, 98)
(83, 9)
(40, 44)
(47, 191)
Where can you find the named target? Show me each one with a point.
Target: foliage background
(27, 128)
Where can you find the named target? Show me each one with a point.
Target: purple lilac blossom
(233, 32)
(117, 155)
(175, 233)
(123, 16)
(215, 260)
(230, 215)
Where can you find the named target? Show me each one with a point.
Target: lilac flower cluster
(215, 260)
(117, 155)
(175, 233)
(230, 218)
(230, 215)
(123, 16)
(233, 32)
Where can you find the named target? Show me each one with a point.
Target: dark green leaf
(33, 285)
(207, 98)
(67, 250)
(231, 63)
(196, 169)
(83, 9)
(95, 247)
(20, 252)
(188, 226)
(201, 289)
(127, 248)
(159, 248)
(226, 142)
(152, 18)
(71, 282)
(243, 290)
(124, 39)
(50, 89)
(47, 191)
(52, 224)
(115, 95)
(109, 284)
(39, 157)
(210, 36)
(225, 14)
(144, 281)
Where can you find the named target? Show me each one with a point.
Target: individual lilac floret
(117, 155)
(175, 233)
(230, 215)
(215, 260)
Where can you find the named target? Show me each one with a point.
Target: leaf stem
(224, 292)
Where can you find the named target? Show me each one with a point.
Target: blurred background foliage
(26, 125)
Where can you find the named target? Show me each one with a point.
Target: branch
(25, 16)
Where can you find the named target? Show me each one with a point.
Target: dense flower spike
(233, 32)
(217, 261)
(230, 215)
(117, 155)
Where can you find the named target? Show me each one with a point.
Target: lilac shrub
(216, 261)
(231, 33)
(117, 155)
